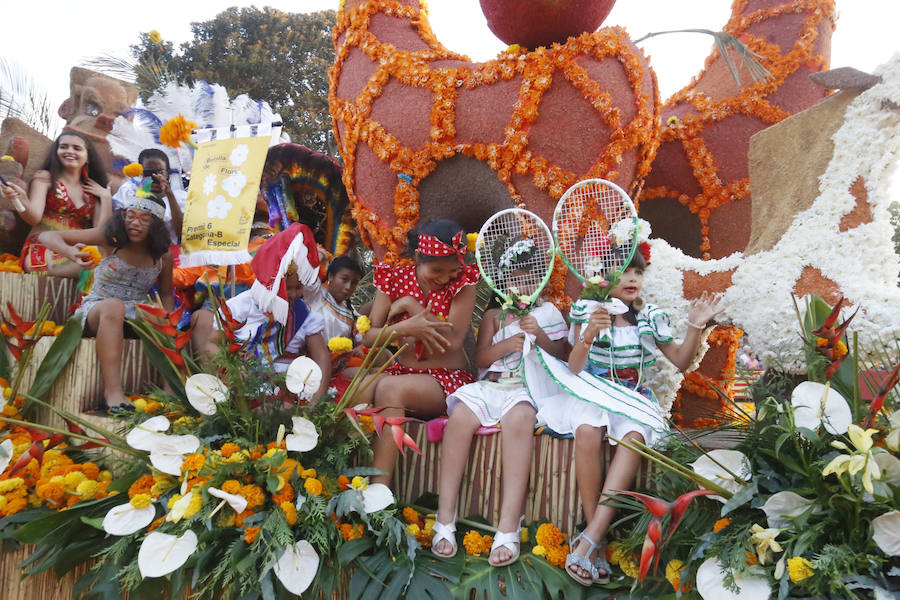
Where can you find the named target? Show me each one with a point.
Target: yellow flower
(87, 488)
(307, 473)
(859, 460)
(155, 37)
(721, 524)
(193, 462)
(799, 568)
(413, 529)
(673, 573)
(290, 512)
(471, 241)
(71, 480)
(539, 551)
(630, 565)
(229, 448)
(141, 501)
(133, 169)
(313, 487)
(475, 543)
(8, 485)
(673, 120)
(615, 552)
(359, 483)
(176, 131)
(764, 540)
(363, 324)
(340, 345)
(104, 476)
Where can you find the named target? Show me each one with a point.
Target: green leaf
(349, 551)
(60, 353)
(95, 522)
(5, 365)
(272, 483)
(740, 498)
(162, 364)
(809, 434)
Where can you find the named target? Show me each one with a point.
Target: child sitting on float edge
(277, 322)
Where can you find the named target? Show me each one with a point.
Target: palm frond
(22, 98)
(728, 46)
(149, 74)
(114, 66)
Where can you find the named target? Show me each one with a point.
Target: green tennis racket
(515, 254)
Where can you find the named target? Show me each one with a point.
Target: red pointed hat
(293, 245)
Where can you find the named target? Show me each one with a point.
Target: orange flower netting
(705, 112)
(353, 125)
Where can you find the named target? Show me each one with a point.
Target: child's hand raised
(703, 309)
(427, 330)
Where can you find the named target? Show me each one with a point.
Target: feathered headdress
(270, 265)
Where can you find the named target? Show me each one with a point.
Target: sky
(48, 37)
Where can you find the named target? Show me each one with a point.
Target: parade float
(233, 484)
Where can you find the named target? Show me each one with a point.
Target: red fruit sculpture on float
(534, 23)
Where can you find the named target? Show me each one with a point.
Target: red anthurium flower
(878, 401)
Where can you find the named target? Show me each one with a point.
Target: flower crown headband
(510, 258)
(143, 198)
(429, 245)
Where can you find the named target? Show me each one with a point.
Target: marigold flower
(231, 486)
(313, 487)
(133, 169)
(343, 482)
(72, 479)
(673, 573)
(630, 565)
(306, 473)
(156, 524)
(350, 531)
(52, 493)
(799, 568)
(229, 448)
(548, 536)
(155, 37)
(539, 551)
(721, 524)
(13, 506)
(250, 534)
(86, 489)
(340, 345)
(254, 495)
(410, 515)
(176, 131)
(193, 462)
(290, 512)
(475, 543)
(141, 500)
(363, 324)
(8, 485)
(556, 555)
(90, 470)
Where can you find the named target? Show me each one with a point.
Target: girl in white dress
(500, 396)
(605, 395)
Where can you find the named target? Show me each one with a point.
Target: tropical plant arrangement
(811, 499)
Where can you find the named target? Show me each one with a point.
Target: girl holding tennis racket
(515, 256)
(613, 342)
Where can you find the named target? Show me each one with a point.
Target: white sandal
(512, 540)
(444, 532)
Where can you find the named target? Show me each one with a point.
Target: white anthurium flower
(890, 467)
(237, 502)
(377, 496)
(168, 452)
(297, 567)
(887, 532)
(204, 391)
(303, 377)
(144, 436)
(6, 455)
(815, 404)
(304, 436)
(161, 553)
(892, 440)
(781, 507)
(126, 519)
(711, 583)
(711, 464)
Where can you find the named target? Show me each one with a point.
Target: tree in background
(282, 58)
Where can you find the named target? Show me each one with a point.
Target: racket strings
(516, 253)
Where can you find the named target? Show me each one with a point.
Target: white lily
(711, 464)
(711, 583)
(815, 404)
(167, 452)
(859, 460)
(886, 532)
(781, 507)
(237, 502)
(297, 567)
(303, 437)
(125, 519)
(144, 436)
(6, 455)
(764, 540)
(303, 377)
(161, 553)
(204, 391)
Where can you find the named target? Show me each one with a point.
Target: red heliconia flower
(36, 451)
(658, 508)
(182, 339)
(174, 356)
(157, 311)
(680, 506)
(650, 550)
(401, 438)
(15, 328)
(827, 328)
(878, 401)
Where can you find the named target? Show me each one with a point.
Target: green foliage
(57, 357)
(281, 58)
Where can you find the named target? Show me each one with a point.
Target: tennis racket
(515, 255)
(595, 227)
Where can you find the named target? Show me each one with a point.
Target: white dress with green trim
(491, 400)
(609, 392)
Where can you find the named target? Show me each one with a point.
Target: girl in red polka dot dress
(429, 307)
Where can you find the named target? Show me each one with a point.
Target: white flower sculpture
(161, 553)
(297, 567)
(204, 391)
(218, 208)
(508, 260)
(816, 404)
(209, 184)
(125, 519)
(711, 464)
(234, 183)
(304, 436)
(303, 377)
(711, 583)
(239, 155)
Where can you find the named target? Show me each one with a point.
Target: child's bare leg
(517, 439)
(420, 395)
(619, 476)
(202, 340)
(588, 469)
(457, 436)
(106, 320)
